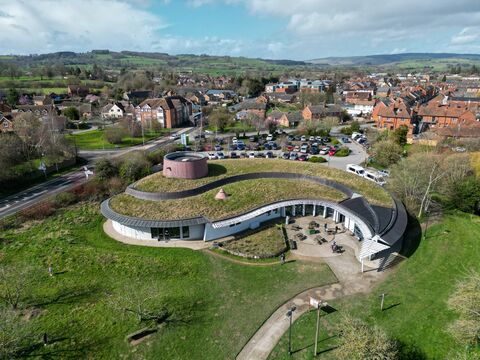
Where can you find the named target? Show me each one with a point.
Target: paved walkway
(351, 282)
(193, 245)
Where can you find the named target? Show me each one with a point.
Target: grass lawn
(264, 243)
(216, 305)
(223, 168)
(242, 196)
(417, 292)
(95, 139)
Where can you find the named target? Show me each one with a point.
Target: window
(185, 231)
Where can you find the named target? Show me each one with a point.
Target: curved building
(379, 226)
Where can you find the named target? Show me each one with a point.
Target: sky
(273, 29)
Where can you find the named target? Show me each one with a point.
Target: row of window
(170, 233)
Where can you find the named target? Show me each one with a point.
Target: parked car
(220, 155)
(290, 147)
(174, 137)
(312, 138)
(233, 147)
(252, 138)
(233, 155)
(290, 138)
(212, 156)
(345, 140)
(296, 148)
(303, 138)
(269, 137)
(332, 152)
(269, 155)
(286, 155)
(314, 150)
(241, 147)
(304, 149)
(234, 140)
(318, 138)
(384, 172)
(326, 139)
(218, 147)
(324, 151)
(293, 156)
(375, 177)
(274, 146)
(260, 155)
(303, 157)
(251, 155)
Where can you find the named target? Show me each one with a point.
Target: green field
(95, 140)
(214, 305)
(417, 291)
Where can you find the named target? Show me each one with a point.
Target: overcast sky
(277, 29)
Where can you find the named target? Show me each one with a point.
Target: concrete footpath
(351, 281)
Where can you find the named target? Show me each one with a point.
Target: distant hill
(391, 59)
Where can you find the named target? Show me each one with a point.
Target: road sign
(42, 167)
(88, 173)
(183, 139)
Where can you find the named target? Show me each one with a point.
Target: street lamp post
(290, 316)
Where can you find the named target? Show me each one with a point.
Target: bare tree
(359, 341)
(465, 301)
(14, 284)
(15, 333)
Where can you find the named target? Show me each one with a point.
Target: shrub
(105, 169)
(114, 134)
(335, 141)
(116, 185)
(38, 212)
(64, 199)
(134, 167)
(317, 159)
(343, 151)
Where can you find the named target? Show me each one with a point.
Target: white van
(375, 177)
(355, 169)
(356, 135)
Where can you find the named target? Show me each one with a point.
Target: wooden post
(382, 297)
(316, 332)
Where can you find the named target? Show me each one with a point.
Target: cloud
(31, 26)
(466, 36)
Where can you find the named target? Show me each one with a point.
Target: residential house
(283, 98)
(6, 123)
(291, 119)
(114, 110)
(42, 100)
(138, 96)
(170, 111)
(393, 115)
(315, 112)
(245, 108)
(43, 112)
(445, 115)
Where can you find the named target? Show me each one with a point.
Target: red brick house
(170, 111)
(315, 112)
(392, 116)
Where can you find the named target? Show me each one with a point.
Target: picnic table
(320, 240)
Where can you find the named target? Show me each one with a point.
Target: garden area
(264, 243)
(98, 139)
(194, 304)
(416, 311)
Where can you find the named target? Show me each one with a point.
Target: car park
(220, 155)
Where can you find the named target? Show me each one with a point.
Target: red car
(332, 152)
(290, 147)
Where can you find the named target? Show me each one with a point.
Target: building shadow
(216, 170)
(413, 237)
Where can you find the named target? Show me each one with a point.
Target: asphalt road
(11, 204)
